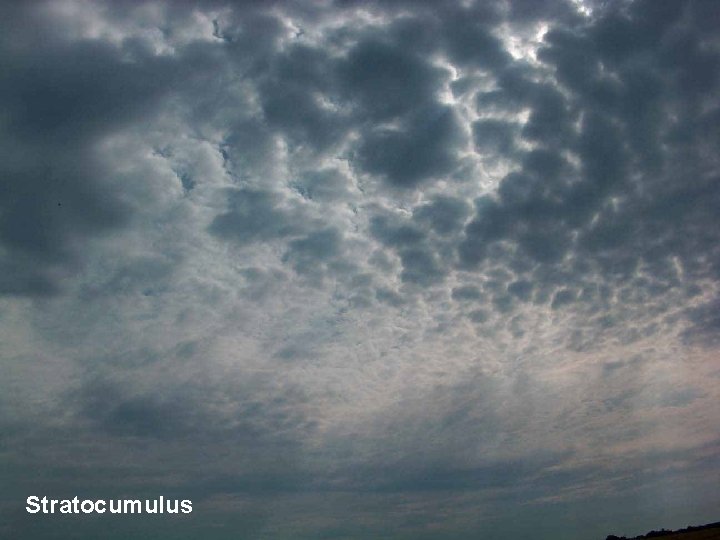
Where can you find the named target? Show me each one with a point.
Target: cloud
(253, 216)
(362, 270)
(386, 81)
(58, 100)
(423, 147)
(445, 215)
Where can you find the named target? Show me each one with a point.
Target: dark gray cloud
(361, 270)
(253, 216)
(324, 185)
(292, 94)
(610, 109)
(386, 81)
(445, 215)
(57, 100)
(424, 146)
(314, 253)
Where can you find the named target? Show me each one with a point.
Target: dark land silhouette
(711, 531)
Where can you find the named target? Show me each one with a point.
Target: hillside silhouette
(711, 531)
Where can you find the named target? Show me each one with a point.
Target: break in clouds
(361, 270)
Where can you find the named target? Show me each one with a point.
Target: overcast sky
(361, 270)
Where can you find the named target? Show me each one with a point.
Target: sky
(361, 269)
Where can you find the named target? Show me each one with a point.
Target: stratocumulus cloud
(361, 269)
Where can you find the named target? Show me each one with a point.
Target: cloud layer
(361, 269)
